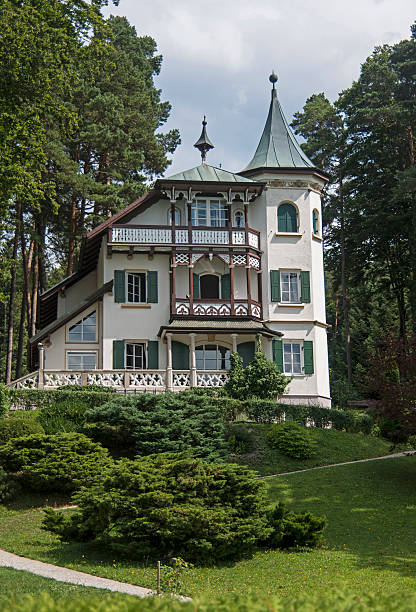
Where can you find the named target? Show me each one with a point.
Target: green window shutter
(118, 354)
(196, 286)
(315, 221)
(275, 285)
(180, 356)
(246, 352)
(119, 286)
(277, 347)
(153, 355)
(152, 292)
(305, 287)
(287, 218)
(308, 357)
(225, 286)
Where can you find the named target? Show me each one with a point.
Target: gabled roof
(207, 173)
(278, 147)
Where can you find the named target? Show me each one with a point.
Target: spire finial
(203, 143)
(273, 78)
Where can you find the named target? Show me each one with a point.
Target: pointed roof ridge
(205, 172)
(203, 143)
(278, 147)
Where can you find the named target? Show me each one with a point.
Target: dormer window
(211, 213)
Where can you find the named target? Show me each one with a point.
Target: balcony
(217, 308)
(166, 235)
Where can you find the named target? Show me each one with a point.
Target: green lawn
(370, 542)
(332, 447)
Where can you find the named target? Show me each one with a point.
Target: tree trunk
(412, 236)
(19, 356)
(10, 324)
(72, 237)
(345, 303)
(35, 293)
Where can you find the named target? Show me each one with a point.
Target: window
(135, 356)
(315, 221)
(238, 218)
(84, 330)
(177, 216)
(292, 358)
(85, 360)
(287, 218)
(209, 213)
(209, 285)
(289, 287)
(212, 357)
(136, 287)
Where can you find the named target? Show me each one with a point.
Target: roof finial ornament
(273, 78)
(203, 143)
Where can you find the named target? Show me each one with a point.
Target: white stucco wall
(76, 293)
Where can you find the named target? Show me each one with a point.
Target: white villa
(168, 287)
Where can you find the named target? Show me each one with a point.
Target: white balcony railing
(217, 308)
(183, 235)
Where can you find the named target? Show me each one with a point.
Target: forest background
(80, 138)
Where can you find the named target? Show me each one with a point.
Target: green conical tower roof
(278, 147)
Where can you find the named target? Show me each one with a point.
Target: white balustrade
(181, 236)
(163, 235)
(255, 311)
(148, 235)
(58, 379)
(211, 378)
(181, 378)
(28, 382)
(222, 309)
(239, 237)
(253, 240)
(110, 378)
(210, 237)
(148, 378)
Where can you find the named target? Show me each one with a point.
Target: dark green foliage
(241, 438)
(264, 411)
(339, 601)
(292, 439)
(170, 504)
(236, 383)
(60, 462)
(87, 388)
(230, 407)
(4, 400)
(19, 423)
(294, 530)
(171, 422)
(8, 486)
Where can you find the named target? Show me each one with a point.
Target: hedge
(19, 424)
(267, 411)
(30, 399)
(338, 601)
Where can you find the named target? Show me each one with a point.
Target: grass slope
(332, 447)
(369, 543)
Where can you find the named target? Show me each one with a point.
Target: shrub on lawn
(4, 400)
(60, 462)
(292, 440)
(170, 504)
(171, 422)
(294, 530)
(19, 423)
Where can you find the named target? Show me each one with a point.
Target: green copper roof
(278, 147)
(209, 173)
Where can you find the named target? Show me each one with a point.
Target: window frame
(219, 285)
(177, 213)
(144, 354)
(298, 283)
(208, 212)
(218, 358)
(318, 224)
(136, 273)
(301, 359)
(80, 352)
(69, 340)
(240, 212)
(297, 218)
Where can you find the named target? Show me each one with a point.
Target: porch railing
(123, 380)
(159, 235)
(217, 308)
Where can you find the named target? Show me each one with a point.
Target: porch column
(232, 289)
(169, 373)
(234, 340)
(248, 289)
(192, 360)
(191, 286)
(173, 283)
(41, 349)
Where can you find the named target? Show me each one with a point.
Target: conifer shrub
(60, 462)
(19, 423)
(170, 505)
(4, 400)
(291, 439)
(241, 438)
(147, 423)
(291, 530)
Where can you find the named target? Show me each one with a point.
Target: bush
(241, 439)
(292, 440)
(171, 422)
(87, 388)
(19, 424)
(29, 399)
(4, 400)
(264, 411)
(60, 462)
(294, 530)
(8, 486)
(229, 406)
(338, 601)
(170, 504)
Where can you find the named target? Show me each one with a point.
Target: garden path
(331, 465)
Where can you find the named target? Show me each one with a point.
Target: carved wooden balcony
(217, 308)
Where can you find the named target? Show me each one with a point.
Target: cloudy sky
(218, 55)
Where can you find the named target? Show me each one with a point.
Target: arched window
(212, 357)
(209, 285)
(238, 218)
(315, 221)
(177, 216)
(287, 218)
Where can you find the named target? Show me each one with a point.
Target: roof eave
(324, 176)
